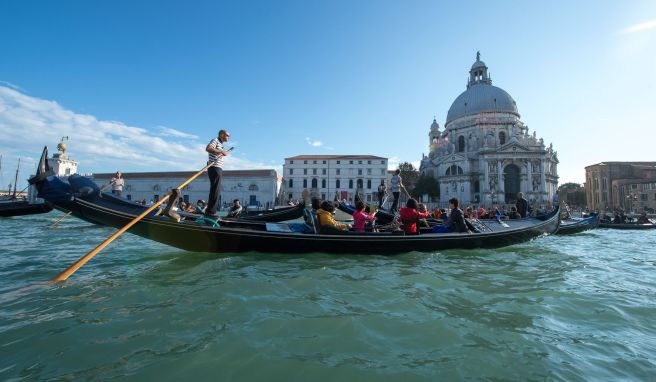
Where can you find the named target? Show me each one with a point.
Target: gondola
(573, 225)
(220, 237)
(20, 207)
(627, 226)
(274, 215)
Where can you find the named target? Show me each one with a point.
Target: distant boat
(14, 205)
(18, 207)
(627, 225)
(573, 225)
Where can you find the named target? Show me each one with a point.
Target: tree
(569, 186)
(409, 175)
(426, 185)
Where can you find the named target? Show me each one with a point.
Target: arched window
(314, 182)
(253, 187)
(502, 138)
(461, 143)
(454, 170)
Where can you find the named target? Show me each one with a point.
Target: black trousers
(381, 197)
(395, 204)
(214, 174)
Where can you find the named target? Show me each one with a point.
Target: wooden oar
(78, 264)
(70, 212)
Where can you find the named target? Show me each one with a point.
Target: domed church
(485, 154)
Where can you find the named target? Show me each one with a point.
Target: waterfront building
(485, 154)
(256, 188)
(630, 186)
(331, 176)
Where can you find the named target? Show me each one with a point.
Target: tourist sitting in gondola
(643, 219)
(327, 221)
(617, 219)
(235, 210)
(456, 221)
(360, 218)
(410, 215)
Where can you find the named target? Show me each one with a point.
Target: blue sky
(143, 86)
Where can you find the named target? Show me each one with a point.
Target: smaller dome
(479, 64)
(435, 125)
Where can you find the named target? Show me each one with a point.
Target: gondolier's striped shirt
(216, 160)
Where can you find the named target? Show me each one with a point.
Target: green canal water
(578, 308)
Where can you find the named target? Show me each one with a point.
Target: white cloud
(651, 24)
(29, 123)
(313, 142)
(169, 132)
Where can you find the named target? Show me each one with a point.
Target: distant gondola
(627, 226)
(572, 226)
(19, 207)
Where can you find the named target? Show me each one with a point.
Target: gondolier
(215, 154)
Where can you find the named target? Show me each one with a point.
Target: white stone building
(256, 188)
(485, 155)
(326, 176)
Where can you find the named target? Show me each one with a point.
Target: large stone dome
(481, 96)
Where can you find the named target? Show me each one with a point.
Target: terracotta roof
(335, 157)
(646, 164)
(185, 174)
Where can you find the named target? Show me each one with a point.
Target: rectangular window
(350, 183)
(368, 171)
(382, 162)
(315, 162)
(291, 162)
(314, 171)
(323, 171)
(338, 162)
(337, 171)
(337, 183)
(382, 171)
(603, 184)
(359, 162)
(291, 171)
(304, 183)
(304, 162)
(324, 162)
(643, 197)
(368, 162)
(305, 171)
(369, 184)
(350, 162)
(359, 171)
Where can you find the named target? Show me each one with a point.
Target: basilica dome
(481, 96)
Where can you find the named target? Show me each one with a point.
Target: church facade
(485, 155)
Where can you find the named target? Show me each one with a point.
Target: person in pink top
(360, 217)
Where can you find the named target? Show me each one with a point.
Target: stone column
(543, 181)
(529, 176)
(500, 187)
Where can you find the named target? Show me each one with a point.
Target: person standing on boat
(522, 205)
(215, 153)
(382, 190)
(118, 183)
(396, 184)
